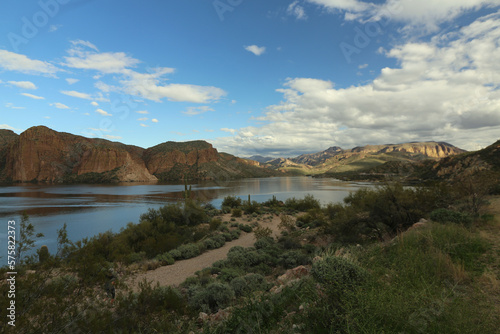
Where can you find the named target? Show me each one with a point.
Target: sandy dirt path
(178, 272)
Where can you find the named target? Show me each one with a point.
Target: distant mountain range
(337, 160)
(40, 154)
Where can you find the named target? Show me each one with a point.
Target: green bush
(294, 258)
(176, 254)
(135, 257)
(245, 228)
(339, 272)
(213, 297)
(231, 201)
(165, 259)
(247, 284)
(450, 216)
(236, 212)
(235, 234)
(215, 223)
(189, 251)
(303, 205)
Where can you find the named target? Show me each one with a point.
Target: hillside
(358, 159)
(43, 155)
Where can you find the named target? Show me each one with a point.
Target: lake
(91, 209)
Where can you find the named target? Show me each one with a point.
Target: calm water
(91, 209)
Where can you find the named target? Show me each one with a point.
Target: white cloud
(12, 106)
(8, 127)
(11, 61)
(84, 55)
(60, 105)
(33, 96)
(103, 113)
(72, 81)
(110, 137)
(106, 63)
(76, 94)
(256, 50)
(142, 112)
(78, 43)
(296, 10)
(231, 131)
(142, 119)
(154, 120)
(426, 15)
(144, 125)
(94, 103)
(363, 66)
(192, 111)
(23, 84)
(445, 89)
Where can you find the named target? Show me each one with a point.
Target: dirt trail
(178, 272)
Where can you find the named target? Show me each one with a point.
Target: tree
(26, 237)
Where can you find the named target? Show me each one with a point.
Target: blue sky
(275, 78)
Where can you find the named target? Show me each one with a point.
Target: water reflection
(91, 209)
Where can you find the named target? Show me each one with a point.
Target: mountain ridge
(41, 154)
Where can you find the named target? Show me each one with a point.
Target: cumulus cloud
(84, 55)
(60, 105)
(36, 97)
(8, 127)
(94, 103)
(103, 113)
(76, 94)
(256, 50)
(154, 120)
(142, 119)
(424, 14)
(23, 84)
(142, 112)
(445, 89)
(72, 81)
(11, 61)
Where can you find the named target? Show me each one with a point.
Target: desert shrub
(220, 263)
(135, 257)
(231, 201)
(223, 227)
(227, 236)
(213, 297)
(245, 228)
(339, 272)
(189, 251)
(272, 202)
(236, 212)
(43, 254)
(264, 242)
(247, 284)
(215, 241)
(228, 274)
(294, 258)
(305, 204)
(450, 216)
(165, 259)
(215, 223)
(235, 234)
(251, 207)
(287, 223)
(313, 218)
(176, 254)
(262, 232)
(289, 242)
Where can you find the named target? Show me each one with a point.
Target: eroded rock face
(42, 154)
(162, 158)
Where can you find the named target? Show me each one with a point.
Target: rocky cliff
(428, 149)
(43, 155)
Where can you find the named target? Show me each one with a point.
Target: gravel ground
(178, 272)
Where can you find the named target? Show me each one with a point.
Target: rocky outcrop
(164, 157)
(428, 149)
(42, 154)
